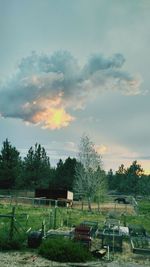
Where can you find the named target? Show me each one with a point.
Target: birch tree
(90, 176)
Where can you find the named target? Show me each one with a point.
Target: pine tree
(10, 166)
(64, 174)
(37, 169)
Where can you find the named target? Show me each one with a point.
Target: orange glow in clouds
(52, 114)
(54, 118)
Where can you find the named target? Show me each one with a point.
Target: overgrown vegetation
(64, 250)
(35, 215)
(60, 249)
(18, 242)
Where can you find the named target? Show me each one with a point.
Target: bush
(64, 250)
(17, 242)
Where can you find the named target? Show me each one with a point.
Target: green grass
(144, 207)
(143, 216)
(64, 217)
(31, 217)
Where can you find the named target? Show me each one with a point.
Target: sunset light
(53, 118)
(67, 74)
(147, 171)
(74, 127)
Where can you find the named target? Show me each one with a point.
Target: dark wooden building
(62, 196)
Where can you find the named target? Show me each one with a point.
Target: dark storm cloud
(45, 82)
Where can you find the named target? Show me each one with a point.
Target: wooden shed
(62, 196)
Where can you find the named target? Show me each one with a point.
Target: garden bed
(113, 239)
(140, 245)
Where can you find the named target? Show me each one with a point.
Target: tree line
(130, 180)
(34, 170)
(84, 175)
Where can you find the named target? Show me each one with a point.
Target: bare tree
(90, 176)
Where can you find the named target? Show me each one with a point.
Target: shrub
(17, 242)
(64, 250)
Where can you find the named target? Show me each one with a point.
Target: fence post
(124, 219)
(43, 228)
(50, 219)
(69, 219)
(98, 205)
(113, 242)
(82, 205)
(115, 206)
(11, 200)
(55, 214)
(12, 224)
(33, 202)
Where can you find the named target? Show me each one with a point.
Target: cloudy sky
(69, 67)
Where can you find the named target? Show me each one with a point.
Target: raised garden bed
(93, 226)
(140, 245)
(113, 239)
(109, 231)
(82, 233)
(137, 230)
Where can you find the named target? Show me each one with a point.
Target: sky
(74, 67)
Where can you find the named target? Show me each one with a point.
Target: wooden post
(43, 228)
(11, 200)
(98, 204)
(113, 242)
(69, 220)
(108, 252)
(125, 208)
(55, 214)
(115, 206)
(12, 224)
(16, 200)
(50, 219)
(124, 219)
(82, 205)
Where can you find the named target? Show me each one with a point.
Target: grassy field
(29, 216)
(32, 216)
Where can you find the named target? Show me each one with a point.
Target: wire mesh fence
(105, 206)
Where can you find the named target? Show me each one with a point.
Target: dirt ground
(106, 207)
(31, 259)
(103, 207)
(28, 259)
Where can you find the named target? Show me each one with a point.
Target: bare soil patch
(106, 207)
(31, 259)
